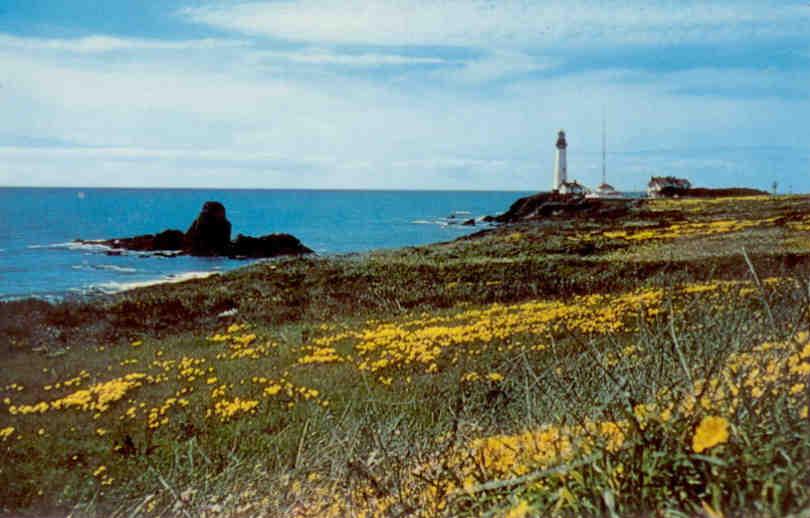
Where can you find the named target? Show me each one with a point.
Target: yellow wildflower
(6, 432)
(710, 432)
(226, 410)
(471, 376)
(521, 510)
(272, 390)
(233, 328)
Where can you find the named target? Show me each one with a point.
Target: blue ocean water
(37, 227)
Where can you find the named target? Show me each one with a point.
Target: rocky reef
(209, 236)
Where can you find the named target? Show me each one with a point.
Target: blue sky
(402, 93)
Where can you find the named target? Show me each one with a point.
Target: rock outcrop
(209, 235)
(551, 204)
(168, 240)
(267, 246)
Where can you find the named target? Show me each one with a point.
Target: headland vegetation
(644, 357)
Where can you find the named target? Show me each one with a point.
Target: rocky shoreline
(546, 205)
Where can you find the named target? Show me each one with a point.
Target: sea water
(38, 255)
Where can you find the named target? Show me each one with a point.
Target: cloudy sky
(402, 93)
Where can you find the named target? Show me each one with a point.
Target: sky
(402, 94)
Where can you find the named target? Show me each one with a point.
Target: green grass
(406, 447)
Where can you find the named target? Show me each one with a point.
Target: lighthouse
(560, 165)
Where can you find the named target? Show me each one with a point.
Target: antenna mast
(604, 168)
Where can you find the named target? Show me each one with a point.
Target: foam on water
(72, 245)
(114, 268)
(117, 287)
(48, 297)
(104, 267)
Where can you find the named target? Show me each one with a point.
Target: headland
(505, 368)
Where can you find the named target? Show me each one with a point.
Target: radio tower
(604, 150)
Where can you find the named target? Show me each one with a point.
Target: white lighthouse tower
(560, 164)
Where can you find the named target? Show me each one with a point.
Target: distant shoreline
(240, 189)
(112, 288)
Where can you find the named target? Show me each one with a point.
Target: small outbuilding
(667, 186)
(572, 187)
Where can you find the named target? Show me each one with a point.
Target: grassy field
(656, 364)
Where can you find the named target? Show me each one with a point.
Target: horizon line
(324, 189)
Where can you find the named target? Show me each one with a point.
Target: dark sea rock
(469, 223)
(552, 204)
(267, 246)
(166, 240)
(169, 240)
(210, 233)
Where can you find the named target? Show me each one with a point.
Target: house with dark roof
(666, 186)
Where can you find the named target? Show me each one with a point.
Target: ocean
(38, 257)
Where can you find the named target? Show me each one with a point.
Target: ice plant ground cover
(627, 367)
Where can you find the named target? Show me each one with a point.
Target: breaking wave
(72, 245)
(105, 267)
(118, 287)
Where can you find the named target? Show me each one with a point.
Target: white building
(573, 187)
(561, 183)
(661, 186)
(560, 164)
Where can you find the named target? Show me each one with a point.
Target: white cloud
(99, 44)
(245, 113)
(102, 44)
(505, 23)
(190, 103)
(134, 153)
(494, 65)
(317, 56)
